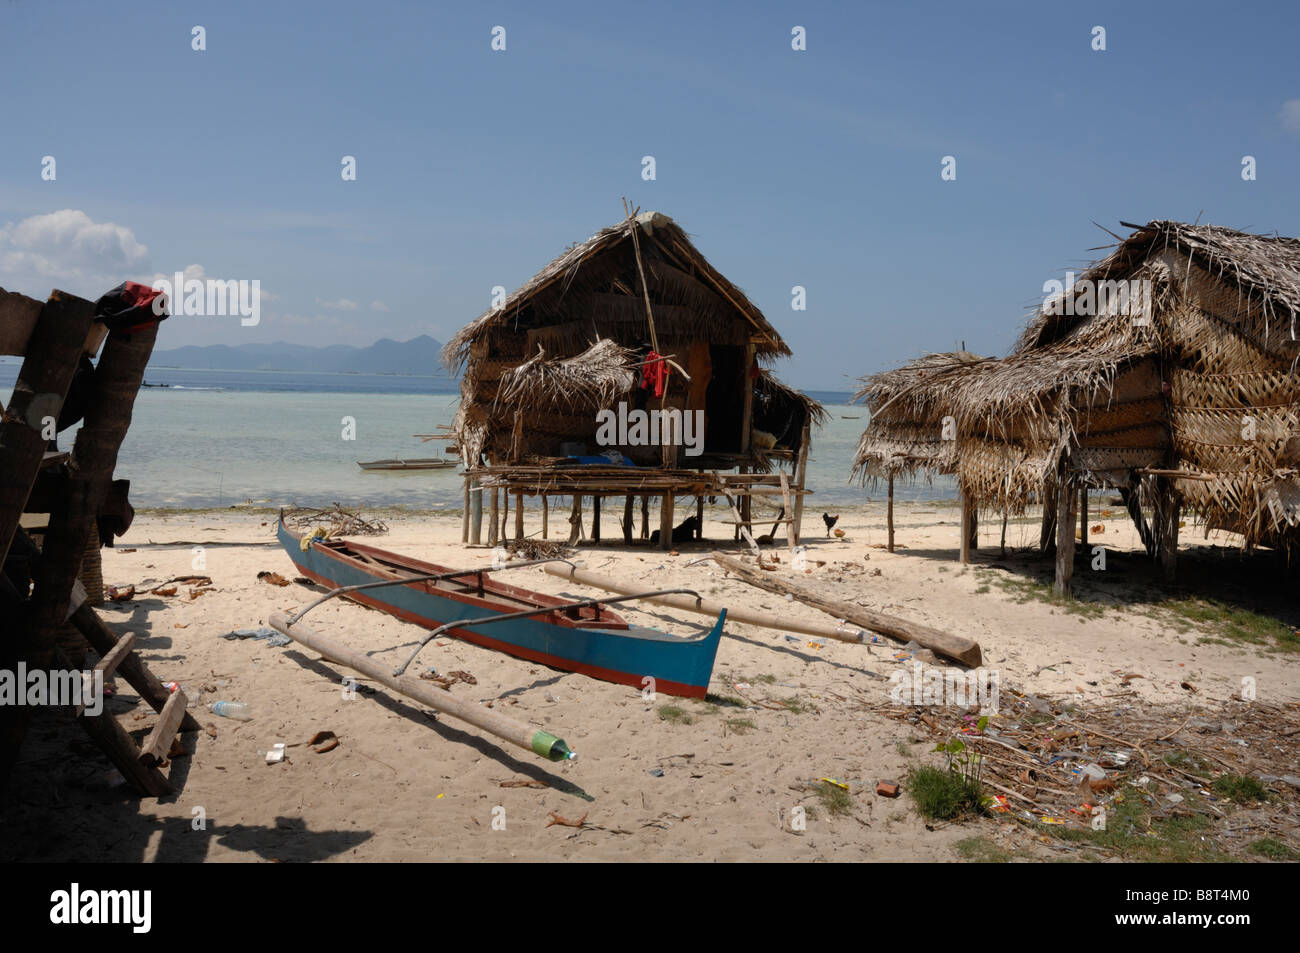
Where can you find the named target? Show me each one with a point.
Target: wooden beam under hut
(1066, 503)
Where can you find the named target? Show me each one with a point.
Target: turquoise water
(189, 446)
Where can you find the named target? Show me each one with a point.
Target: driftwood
(540, 742)
(708, 607)
(963, 650)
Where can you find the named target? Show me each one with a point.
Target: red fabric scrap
(654, 375)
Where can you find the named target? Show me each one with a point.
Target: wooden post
(1065, 506)
(889, 516)
(1168, 538)
(786, 510)
(575, 520)
(464, 518)
(476, 524)
(968, 527)
(628, 520)
(801, 477)
(505, 515)
(747, 415)
(746, 508)
(666, 521)
(546, 516)
(55, 345)
(595, 518)
(645, 516)
(519, 515)
(699, 516)
(1047, 531)
(494, 527)
(1083, 517)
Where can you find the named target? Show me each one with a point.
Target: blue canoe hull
(629, 655)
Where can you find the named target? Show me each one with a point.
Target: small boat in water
(426, 463)
(581, 636)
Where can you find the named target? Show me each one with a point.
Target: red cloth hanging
(654, 375)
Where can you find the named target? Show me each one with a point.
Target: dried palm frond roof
(565, 272)
(769, 386)
(588, 380)
(1265, 267)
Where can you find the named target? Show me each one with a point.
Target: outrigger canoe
(581, 636)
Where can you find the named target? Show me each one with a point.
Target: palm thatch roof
(1197, 375)
(675, 269)
(572, 339)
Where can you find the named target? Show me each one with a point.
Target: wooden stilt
(494, 524)
(546, 516)
(464, 518)
(1065, 506)
(889, 516)
(505, 515)
(519, 516)
(699, 517)
(595, 518)
(1168, 537)
(1047, 531)
(801, 478)
(628, 520)
(967, 522)
(476, 524)
(575, 521)
(666, 522)
(1083, 517)
(645, 517)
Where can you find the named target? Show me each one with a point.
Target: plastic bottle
(236, 710)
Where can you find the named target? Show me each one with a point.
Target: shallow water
(217, 438)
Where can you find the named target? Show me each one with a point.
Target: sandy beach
(662, 779)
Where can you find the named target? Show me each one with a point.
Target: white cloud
(379, 306)
(1291, 115)
(71, 249)
(342, 304)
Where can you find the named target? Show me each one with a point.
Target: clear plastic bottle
(236, 710)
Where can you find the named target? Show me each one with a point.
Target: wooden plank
(113, 740)
(964, 650)
(154, 750)
(741, 524)
(54, 347)
(109, 663)
(839, 631)
(130, 667)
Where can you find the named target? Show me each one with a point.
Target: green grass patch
(741, 726)
(982, 851)
(941, 794)
(1022, 591)
(675, 716)
(1241, 788)
(797, 706)
(1220, 621)
(834, 798)
(1132, 832)
(1273, 849)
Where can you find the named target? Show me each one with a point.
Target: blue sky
(818, 168)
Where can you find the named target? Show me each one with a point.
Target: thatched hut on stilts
(1166, 372)
(632, 321)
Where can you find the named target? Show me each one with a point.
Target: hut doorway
(724, 401)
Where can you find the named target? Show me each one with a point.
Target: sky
(818, 168)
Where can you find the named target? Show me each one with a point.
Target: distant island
(420, 357)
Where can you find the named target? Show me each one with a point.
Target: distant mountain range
(419, 356)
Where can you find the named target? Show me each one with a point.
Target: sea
(213, 438)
